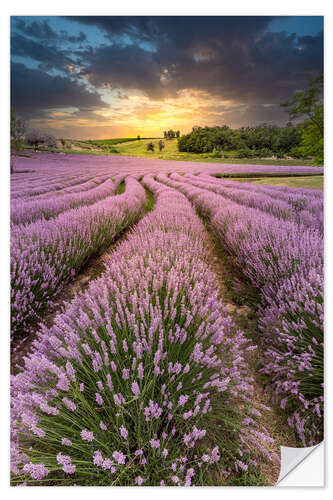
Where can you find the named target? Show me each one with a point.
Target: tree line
(303, 139)
(171, 134)
(261, 140)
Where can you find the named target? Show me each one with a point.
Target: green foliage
(313, 139)
(305, 103)
(121, 188)
(171, 134)
(249, 142)
(246, 153)
(309, 103)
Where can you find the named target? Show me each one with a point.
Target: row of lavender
(44, 172)
(302, 206)
(141, 379)
(45, 254)
(26, 211)
(283, 258)
(42, 187)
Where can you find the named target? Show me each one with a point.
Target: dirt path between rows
(242, 300)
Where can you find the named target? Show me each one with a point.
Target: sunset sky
(103, 77)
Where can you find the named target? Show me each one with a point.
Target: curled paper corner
(291, 458)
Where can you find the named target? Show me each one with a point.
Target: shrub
(36, 138)
(246, 153)
(264, 153)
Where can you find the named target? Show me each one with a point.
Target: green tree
(309, 104)
(17, 131)
(313, 137)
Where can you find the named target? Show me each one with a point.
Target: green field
(127, 147)
(104, 143)
(308, 181)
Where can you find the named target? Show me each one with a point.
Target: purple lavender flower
(36, 471)
(135, 389)
(87, 435)
(123, 432)
(66, 442)
(154, 443)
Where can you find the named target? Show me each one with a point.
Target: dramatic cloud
(123, 68)
(188, 70)
(33, 90)
(233, 57)
(41, 30)
(48, 56)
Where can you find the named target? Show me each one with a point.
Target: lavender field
(152, 373)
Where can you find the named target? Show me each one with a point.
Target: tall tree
(309, 104)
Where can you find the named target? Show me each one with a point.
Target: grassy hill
(131, 147)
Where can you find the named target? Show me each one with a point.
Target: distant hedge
(263, 140)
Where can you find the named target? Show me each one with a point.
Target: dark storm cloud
(47, 55)
(231, 57)
(33, 90)
(122, 67)
(236, 59)
(41, 30)
(37, 29)
(177, 30)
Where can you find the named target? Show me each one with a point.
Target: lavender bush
(23, 211)
(141, 380)
(304, 208)
(284, 260)
(45, 254)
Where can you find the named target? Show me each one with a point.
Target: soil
(234, 288)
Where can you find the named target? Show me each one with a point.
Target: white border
(132, 7)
